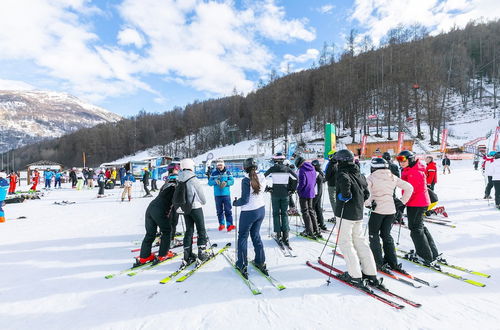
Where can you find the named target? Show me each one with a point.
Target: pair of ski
(405, 255)
(178, 244)
(248, 282)
(193, 270)
(284, 248)
(327, 269)
(134, 270)
(441, 222)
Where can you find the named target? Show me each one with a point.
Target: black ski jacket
(331, 169)
(281, 176)
(351, 183)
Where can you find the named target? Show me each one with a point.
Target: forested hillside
(410, 75)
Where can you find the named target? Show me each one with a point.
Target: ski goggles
(401, 158)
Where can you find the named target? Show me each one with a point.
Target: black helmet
(378, 163)
(406, 155)
(386, 156)
(299, 161)
(249, 163)
(344, 155)
(278, 157)
(316, 165)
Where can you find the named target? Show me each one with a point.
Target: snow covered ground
(53, 263)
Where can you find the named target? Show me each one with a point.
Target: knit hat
(220, 161)
(187, 164)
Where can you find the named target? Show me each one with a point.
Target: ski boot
(142, 261)
(398, 268)
(202, 254)
(261, 267)
(441, 260)
(231, 227)
(189, 257)
(221, 227)
(375, 282)
(487, 197)
(332, 220)
(159, 259)
(323, 227)
(318, 235)
(307, 234)
(285, 239)
(357, 282)
(243, 271)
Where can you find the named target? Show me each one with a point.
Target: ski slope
(53, 265)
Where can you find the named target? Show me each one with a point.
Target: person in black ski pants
(145, 181)
(317, 200)
(252, 214)
(158, 214)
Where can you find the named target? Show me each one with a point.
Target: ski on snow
(153, 265)
(285, 249)
(366, 291)
(387, 292)
(271, 279)
(253, 288)
(198, 266)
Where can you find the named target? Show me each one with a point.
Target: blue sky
(128, 55)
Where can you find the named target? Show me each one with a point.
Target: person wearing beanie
(196, 198)
(381, 184)
(305, 189)
(221, 179)
(4, 187)
(414, 173)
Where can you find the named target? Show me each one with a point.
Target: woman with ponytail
(251, 217)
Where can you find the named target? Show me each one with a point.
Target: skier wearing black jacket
(393, 167)
(280, 175)
(352, 192)
(158, 214)
(317, 205)
(331, 169)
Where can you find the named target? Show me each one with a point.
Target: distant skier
(35, 178)
(305, 189)
(58, 178)
(318, 198)
(352, 191)
(430, 172)
(80, 180)
(381, 184)
(496, 178)
(128, 182)
(446, 164)
(145, 182)
(158, 215)
(154, 178)
(476, 161)
(72, 177)
(252, 214)
(280, 176)
(122, 172)
(488, 172)
(221, 179)
(12, 182)
(101, 181)
(90, 178)
(414, 174)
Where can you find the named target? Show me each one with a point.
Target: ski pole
(235, 232)
(336, 243)
(399, 231)
(327, 240)
(270, 211)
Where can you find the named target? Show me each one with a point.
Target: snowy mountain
(30, 116)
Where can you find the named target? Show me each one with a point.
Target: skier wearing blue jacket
(58, 176)
(154, 177)
(221, 179)
(48, 175)
(4, 187)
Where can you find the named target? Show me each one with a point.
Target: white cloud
(288, 63)
(129, 36)
(14, 85)
(379, 16)
(326, 9)
(209, 45)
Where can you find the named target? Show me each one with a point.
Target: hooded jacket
(381, 185)
(351, 184)
(307, 181)
(415, 176)
(193, 188)
(222, 176)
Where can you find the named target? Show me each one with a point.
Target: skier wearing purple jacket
(306, 191)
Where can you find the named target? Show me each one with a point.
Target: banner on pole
(495, 140)
(330, 139)
(401, 137)
(444, 137)
(363, 145)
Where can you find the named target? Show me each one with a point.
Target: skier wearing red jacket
(13, 182)
(431, 172)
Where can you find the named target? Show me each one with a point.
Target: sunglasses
(401, 158)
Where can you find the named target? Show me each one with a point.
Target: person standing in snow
(122, 172)
(101, 181)
(12, 182)
(57, 179)
(495, 176)
(352, 191)
(446, 164)
(4, 187)
(145, 182)
(318, 198)
(305, 189)
(154, 178)
(80, 179)
(35, 179)
(72, 176)
(430, 172)
(158, 215)
(196, 198)
(488, 172)
(173, 171)
(331, 170)
(280, 175)
(414, 174)
(251, 216)
(90, 178)
(476, 161)
(221, 179)
(128, 182)
(381, 185)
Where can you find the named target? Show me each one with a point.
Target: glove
(291, 192)
(234, 201)
(373, 206)
(268, 189)
(217, 182)
(343, 199)
(222, 184)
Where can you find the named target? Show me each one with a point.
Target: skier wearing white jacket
(381, 184)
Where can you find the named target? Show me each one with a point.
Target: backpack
(180, 198)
